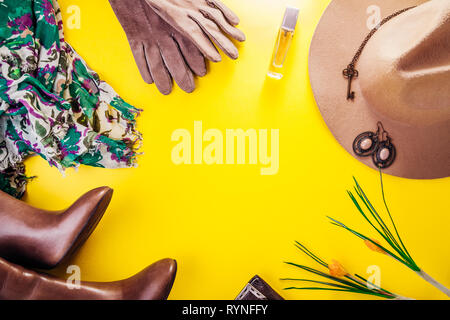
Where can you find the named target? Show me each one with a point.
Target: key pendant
(350, 73)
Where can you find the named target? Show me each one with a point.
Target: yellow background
(226, 223)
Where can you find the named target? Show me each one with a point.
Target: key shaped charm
(350, 73)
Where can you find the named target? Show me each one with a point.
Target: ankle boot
(152, 283)
(37, 238)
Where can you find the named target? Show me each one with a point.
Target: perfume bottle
(283, 43)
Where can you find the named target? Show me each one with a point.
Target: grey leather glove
(161, 52)
(202, 21)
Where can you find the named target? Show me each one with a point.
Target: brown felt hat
(403, 82)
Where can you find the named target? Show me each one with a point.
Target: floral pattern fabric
(51, 103)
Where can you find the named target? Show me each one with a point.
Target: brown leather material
(403, 81)
(161, 53)
(42, 239)
(152, 283)
(203, 22)
(258, 289)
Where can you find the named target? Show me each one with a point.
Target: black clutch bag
(258, 289)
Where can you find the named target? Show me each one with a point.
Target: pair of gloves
(172, 38)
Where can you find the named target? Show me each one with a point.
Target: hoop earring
(365, 143)
(376, 144)
(385, 154)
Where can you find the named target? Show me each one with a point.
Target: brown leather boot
(152, 283)
(42, 239)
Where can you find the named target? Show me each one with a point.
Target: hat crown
(405, 67)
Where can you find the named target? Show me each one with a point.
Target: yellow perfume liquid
(280, 51)
(283, 42)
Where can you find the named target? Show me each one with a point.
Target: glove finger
(213, 31)
(190, 30)
(217, 16)
(177, 66)
(227, 12)
(192, 55)
(141, 61)
(158, 70)
(202, 41)
(204, 44)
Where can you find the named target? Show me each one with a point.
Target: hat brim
(340, 32)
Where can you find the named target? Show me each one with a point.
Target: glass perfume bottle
(283, 42)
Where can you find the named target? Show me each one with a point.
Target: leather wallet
(258, 289)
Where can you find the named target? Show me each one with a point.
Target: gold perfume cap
(290, 18)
